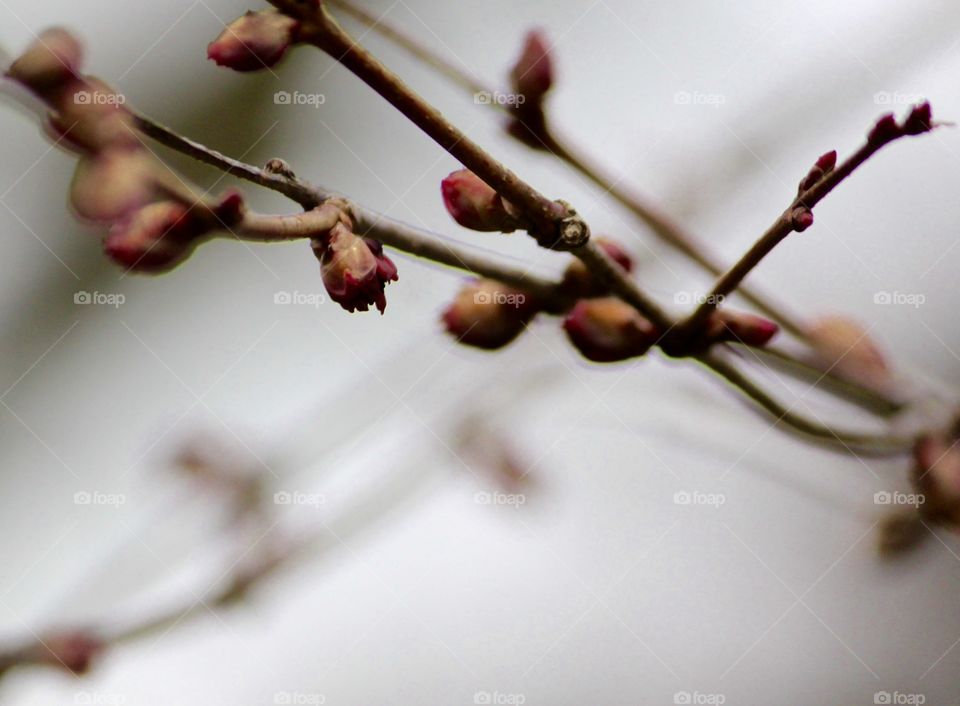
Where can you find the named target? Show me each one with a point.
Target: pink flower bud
(155, 238)
(109, 185)
(488, 314)
(884, 130)
(609, 330)
(532, 74)
(354, 269)
(578, 282)
(824, 164)
(52, 60)
(475, 205)
(741, 327)
(937, 478)
(255, 41)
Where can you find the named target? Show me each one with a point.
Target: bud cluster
(156, 221)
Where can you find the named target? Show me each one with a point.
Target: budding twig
(798, 216)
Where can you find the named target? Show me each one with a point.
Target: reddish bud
(155, 238)
(885, 130)
(919, 121)
(827, 162)
(609, 330)
(73, 651)
(109, 185)
(532, 74)
(802, 219)
(488, 314)
(354, 269)
(937, 478)
(255, 41)
(741, 327)
(52, 60)
(475, 205)
(578, 280)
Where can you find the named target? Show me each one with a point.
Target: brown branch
(798, 216)
(408, 239)
(660, 224)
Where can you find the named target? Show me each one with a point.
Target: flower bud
(937, 478)
(354, 269)
(844, 347)
(255, 41)
(155, 238)
(488, 314)
(475, 205)
(73, 651)
(532, 74)
(579, 282)
(91, 116)
(609, 330)
(109, 185)
(740, 327)
(52, 60)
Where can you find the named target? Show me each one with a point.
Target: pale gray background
(600, 589)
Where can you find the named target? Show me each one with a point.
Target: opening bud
(355, 270)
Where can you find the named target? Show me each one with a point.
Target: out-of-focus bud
(155, 238)
(73, 651)
(112, 184)
(579, 283)
(474, 204)
(255, 41)
(92, 116)
(937, 478)
(532, 77)
(52, 60)
(355, 271)
(488, 314)
(609, 330)
(824, 164)
(900, 532)
(532, 74)
(844, 347)
(740, 327)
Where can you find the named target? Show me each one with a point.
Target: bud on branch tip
(254, 41)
